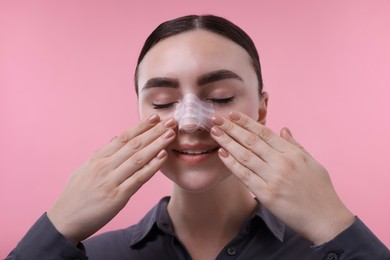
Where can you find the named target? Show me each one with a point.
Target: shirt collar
(276, 227)
(158, 217)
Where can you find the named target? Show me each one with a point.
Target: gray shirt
(262, 236)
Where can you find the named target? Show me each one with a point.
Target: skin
(211, 198)
(103, 185)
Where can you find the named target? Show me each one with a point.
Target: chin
(195, 178)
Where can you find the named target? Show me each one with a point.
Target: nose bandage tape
(193, 114)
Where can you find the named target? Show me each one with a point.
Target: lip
(194, 153)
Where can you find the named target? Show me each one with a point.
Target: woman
(218, 154)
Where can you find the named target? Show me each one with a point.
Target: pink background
(66, 88)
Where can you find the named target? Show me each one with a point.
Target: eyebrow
(216, 76)
(161, 82)
(204, 79)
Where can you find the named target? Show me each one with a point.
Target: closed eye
(221, 100)
(163, 106)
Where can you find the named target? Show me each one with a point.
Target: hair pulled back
(212, 23)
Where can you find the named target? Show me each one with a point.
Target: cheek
(145, 112)
(248, 106)
(223, 111)
(251, 106)
(165, 114)
(251, 110)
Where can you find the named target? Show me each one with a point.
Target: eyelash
(221, 100)
(213, 100)
(163, 106)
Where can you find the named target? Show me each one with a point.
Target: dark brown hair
(210, 23)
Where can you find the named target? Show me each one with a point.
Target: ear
(263, 108)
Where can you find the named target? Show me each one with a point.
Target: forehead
(193, 52)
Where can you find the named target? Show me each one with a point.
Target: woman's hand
(283, 175)
(103, 185)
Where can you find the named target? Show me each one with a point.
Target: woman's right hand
(103, 185)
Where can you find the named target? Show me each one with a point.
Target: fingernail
(168, 134)
(170, 123)
(289, 132)
(217, 120)
(222, 152)
(216, 131)
(162, 154)
(153, 119)
(234, 116)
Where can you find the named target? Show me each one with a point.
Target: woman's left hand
(285, 178)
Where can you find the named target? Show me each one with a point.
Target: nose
(190, 122)
(193, 114)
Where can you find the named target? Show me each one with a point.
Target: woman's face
(214, 69)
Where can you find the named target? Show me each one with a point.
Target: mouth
(195, 152)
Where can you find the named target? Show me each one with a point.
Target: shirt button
(332, 256)
(231, 251)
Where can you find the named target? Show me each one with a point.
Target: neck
(213, 217)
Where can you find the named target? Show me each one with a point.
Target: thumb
(286, 134)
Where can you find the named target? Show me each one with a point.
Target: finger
(246, 138)
(139, 142)
(254, 182)
(131, 185)
(244, 156)
(287, 135)
(142, 157)
(118, 142)
(266, 134)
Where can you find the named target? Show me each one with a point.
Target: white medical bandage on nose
(193, 114)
